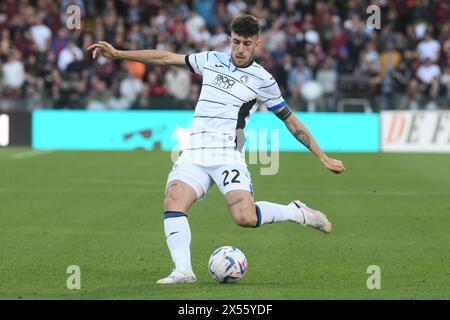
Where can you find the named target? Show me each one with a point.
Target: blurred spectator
(428, 71)
(109, 8)
(311, 35)
(282, 74)
(35, 97)
(194, 25)
(346, 65)
(133, 11)
(205, 9)
(202, 38)
(70, 91)
(236, 8)
(130, 88)
(220, 12)
(389, 59)
(275, 37)
(433, 94)
(178, 84)
(327, 77)
(41, 34)
(70, 54)
(412, 97)
(179, 8)
(99, 97)
(375, 79)
(105, 69)
(401, 76)
(267, 61)
(156, 85)
(13, 71)
(5, 43)
(429, 48)
(219, 41)
(429, 75)
(356, 38)
(137, 69)
(445, 82)
(370, 55)
(59, 42)
(297, 77)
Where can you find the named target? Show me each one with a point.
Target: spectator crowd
(405, 64)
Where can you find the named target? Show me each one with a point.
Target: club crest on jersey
(244, 79)
(223, 82)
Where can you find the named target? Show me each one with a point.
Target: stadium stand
(404, 65)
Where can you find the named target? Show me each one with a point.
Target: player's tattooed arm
(301, 133)
(303, 137)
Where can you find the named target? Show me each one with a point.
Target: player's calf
(242, 208)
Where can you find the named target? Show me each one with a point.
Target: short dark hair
(245, 25)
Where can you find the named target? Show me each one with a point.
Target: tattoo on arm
(303, 137)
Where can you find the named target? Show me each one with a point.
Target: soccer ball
(227, 264)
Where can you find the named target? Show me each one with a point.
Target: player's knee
(170, 202)
(174, 201)
(246, 220)
(179, 197)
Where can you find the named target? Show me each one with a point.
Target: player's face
(243, 48)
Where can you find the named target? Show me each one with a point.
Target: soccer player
(233, 87)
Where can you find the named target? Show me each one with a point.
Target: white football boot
(310, 217)
(178, 276)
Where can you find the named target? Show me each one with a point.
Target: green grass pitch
(102, 211)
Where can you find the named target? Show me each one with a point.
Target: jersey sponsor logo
(244, 79)
(223, 82)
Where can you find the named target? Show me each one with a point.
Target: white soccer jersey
(229, 96)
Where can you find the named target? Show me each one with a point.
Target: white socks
(178, 233)
(178, 238)
(269, 212)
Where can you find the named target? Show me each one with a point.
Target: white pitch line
(359, 193)
(29, 154)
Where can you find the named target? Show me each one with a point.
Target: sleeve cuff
(186, 59)
(278, 106)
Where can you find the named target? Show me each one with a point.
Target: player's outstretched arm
(153, 57)
(301, 133)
